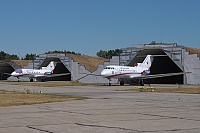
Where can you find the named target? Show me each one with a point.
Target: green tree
(64, 52)
(108, 54)
(102, 53)
(13, 57)
(30, 56)
(153, 43)
(2, 55)
(6, 56)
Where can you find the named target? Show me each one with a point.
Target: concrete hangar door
(59, 68)
(5, 67)
(160, 65)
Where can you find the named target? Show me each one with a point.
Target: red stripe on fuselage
(120, 74)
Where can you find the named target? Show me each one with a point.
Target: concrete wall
(192, 64)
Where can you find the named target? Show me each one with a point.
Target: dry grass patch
(179, 90)
(13, 98)
(193, 50)
(47, 84)
(22, 63)
(165, 90)
(90, 62)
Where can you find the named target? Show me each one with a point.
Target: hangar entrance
(5, 68)
(59, 68)
(160, 65)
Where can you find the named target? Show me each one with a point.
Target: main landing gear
(141, 82)
(31, 80)
(121, 82)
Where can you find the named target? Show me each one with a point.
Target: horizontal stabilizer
(7, 74)
(161, 75)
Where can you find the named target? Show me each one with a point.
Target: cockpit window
(109, 68)
(18, 71)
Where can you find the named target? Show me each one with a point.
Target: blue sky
(87, 26)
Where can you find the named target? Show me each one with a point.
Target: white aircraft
(35, 74)
(139, 71)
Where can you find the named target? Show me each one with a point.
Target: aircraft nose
(13, 73)
(103, 73)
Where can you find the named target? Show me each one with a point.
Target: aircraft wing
(53, 75)
(41, 76)
(160, 75)
(14, 75)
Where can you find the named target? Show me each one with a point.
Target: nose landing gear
(109, 82)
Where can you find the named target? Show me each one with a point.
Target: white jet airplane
(139, 71)
(34, 74)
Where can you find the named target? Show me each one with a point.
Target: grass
(22, 63)
(193, 50)
(47, 84)
(89, 62)
(13, 98)
(165, 90)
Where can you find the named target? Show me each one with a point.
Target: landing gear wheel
(141, 82)
(31, 80)
(121, 82)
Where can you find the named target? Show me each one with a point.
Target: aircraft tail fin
(50, 67)
(147, 62)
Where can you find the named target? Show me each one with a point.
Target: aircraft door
(113, 72)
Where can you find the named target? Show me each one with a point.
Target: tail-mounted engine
(146, 72)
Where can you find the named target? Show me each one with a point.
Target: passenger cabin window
(18, 71)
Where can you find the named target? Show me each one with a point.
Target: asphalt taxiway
(108, 111)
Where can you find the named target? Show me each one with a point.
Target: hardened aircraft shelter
(66, 63)
(171, 58)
